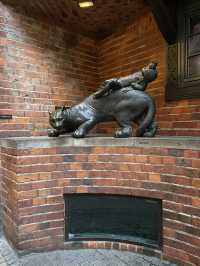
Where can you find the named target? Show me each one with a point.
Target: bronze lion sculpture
(113, 102)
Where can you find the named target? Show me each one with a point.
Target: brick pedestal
(37, 172)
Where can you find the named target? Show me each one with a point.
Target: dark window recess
(184, 56)
(5, 116)
(115, 218)
(194, 66)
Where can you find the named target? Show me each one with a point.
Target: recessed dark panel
(122, 218)
(194, 44)
(194, 65)
(195, 25)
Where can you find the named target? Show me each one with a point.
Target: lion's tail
(149, 118)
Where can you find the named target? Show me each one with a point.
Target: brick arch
(108, 190)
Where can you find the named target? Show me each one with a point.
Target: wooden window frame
(179, 84)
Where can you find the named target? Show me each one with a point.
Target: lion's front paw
(53, 133)
(123, 133)
(78, 134)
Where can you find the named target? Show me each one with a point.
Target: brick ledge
(63, 141)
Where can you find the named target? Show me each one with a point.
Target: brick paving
(2, 261)
(8, 257)
(91, 258)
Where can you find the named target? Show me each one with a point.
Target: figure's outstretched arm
(107, 86)
(102, 90)
(137, 86)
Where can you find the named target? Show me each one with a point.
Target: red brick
(141, 159)
(155, 159)
(154, 177)
(177, 256)
(196, 163)
(191, 154)
(196, 183)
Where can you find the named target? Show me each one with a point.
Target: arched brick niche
(38, 172)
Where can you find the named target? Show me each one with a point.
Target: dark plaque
(5, 117)
(117, 218)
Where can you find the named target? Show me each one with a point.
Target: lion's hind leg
(151, 130)
(125, 124)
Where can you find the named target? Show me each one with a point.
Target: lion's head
(56, 118)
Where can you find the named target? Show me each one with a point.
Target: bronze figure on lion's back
(122, 100)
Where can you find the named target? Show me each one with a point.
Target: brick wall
(40, 66)
(128, 51)
(35, 180)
